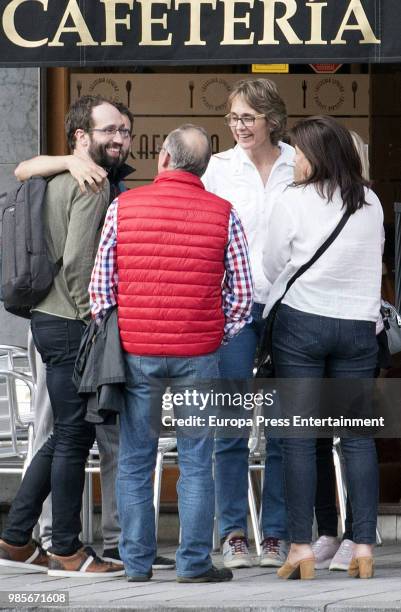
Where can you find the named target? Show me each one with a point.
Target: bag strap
(265, 352)
(57, 265)
(319, 252)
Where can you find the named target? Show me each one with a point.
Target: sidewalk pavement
(252, 590)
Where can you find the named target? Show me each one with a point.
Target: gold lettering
(112, 21)
(362, 24)
(270, 19)
(230, 21)
(148, 21)
(79, 27)
(316, 23)
(195, 19)
(9, 25)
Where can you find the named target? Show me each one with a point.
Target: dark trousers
(59, 465)
(308, 346)
(325, 500)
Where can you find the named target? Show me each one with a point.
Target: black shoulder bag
(264, 365)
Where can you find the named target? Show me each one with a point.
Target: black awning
(140, 32)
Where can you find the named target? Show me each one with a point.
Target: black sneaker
(112, 555)
(163, 563)
(211, 575)
(140, 577)
(160, 563)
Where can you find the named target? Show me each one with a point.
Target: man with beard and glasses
(87, 173)
(73, 221)
(89, 170)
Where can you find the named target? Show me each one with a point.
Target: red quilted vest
(171, 240)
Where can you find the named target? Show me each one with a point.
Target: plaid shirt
(237, 289)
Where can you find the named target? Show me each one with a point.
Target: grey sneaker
(324, 550)
(274, 552)
(235, 551)
(343, 556)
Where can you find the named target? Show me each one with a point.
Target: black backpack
(26, 272)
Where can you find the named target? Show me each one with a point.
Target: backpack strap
(57, 264)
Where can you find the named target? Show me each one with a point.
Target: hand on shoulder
(86, 172)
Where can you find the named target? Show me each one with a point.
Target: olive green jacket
(73, 223)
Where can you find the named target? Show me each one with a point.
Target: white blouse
(233, 176)
(345, 282)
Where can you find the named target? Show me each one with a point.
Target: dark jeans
(311, 346)
(59, 465)
(325, 500)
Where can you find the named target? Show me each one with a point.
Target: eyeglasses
(247, 120)
(112, 131)
(160, 148)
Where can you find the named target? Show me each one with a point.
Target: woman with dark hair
(325, 325)
(327, 550)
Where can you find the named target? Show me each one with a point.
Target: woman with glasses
(252, 176)
(325, 326)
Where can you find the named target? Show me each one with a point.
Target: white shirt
(234, 177)
(345, 282)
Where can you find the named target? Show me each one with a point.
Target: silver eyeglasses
(112, 131)
(247, 120)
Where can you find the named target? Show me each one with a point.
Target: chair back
(16, 413)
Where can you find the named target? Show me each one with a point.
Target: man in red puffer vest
(173, 257)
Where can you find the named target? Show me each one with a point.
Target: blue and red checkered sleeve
(237, 286)
(104, 279)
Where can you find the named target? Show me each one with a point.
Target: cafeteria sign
(140, 32)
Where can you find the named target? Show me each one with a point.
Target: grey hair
(186, 152)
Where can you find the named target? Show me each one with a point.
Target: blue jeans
(311, 346)
(236, 361)
(137, 458)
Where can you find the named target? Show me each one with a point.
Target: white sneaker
(343, 556)
(235, 551)
(324, 550)
(274, 552)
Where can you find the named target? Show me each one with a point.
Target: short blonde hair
(362, 150)
(263, 96)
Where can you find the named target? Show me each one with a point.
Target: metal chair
(165, 455)
(16, 414)
(257, 459)
(92, 467)
(257, 454)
